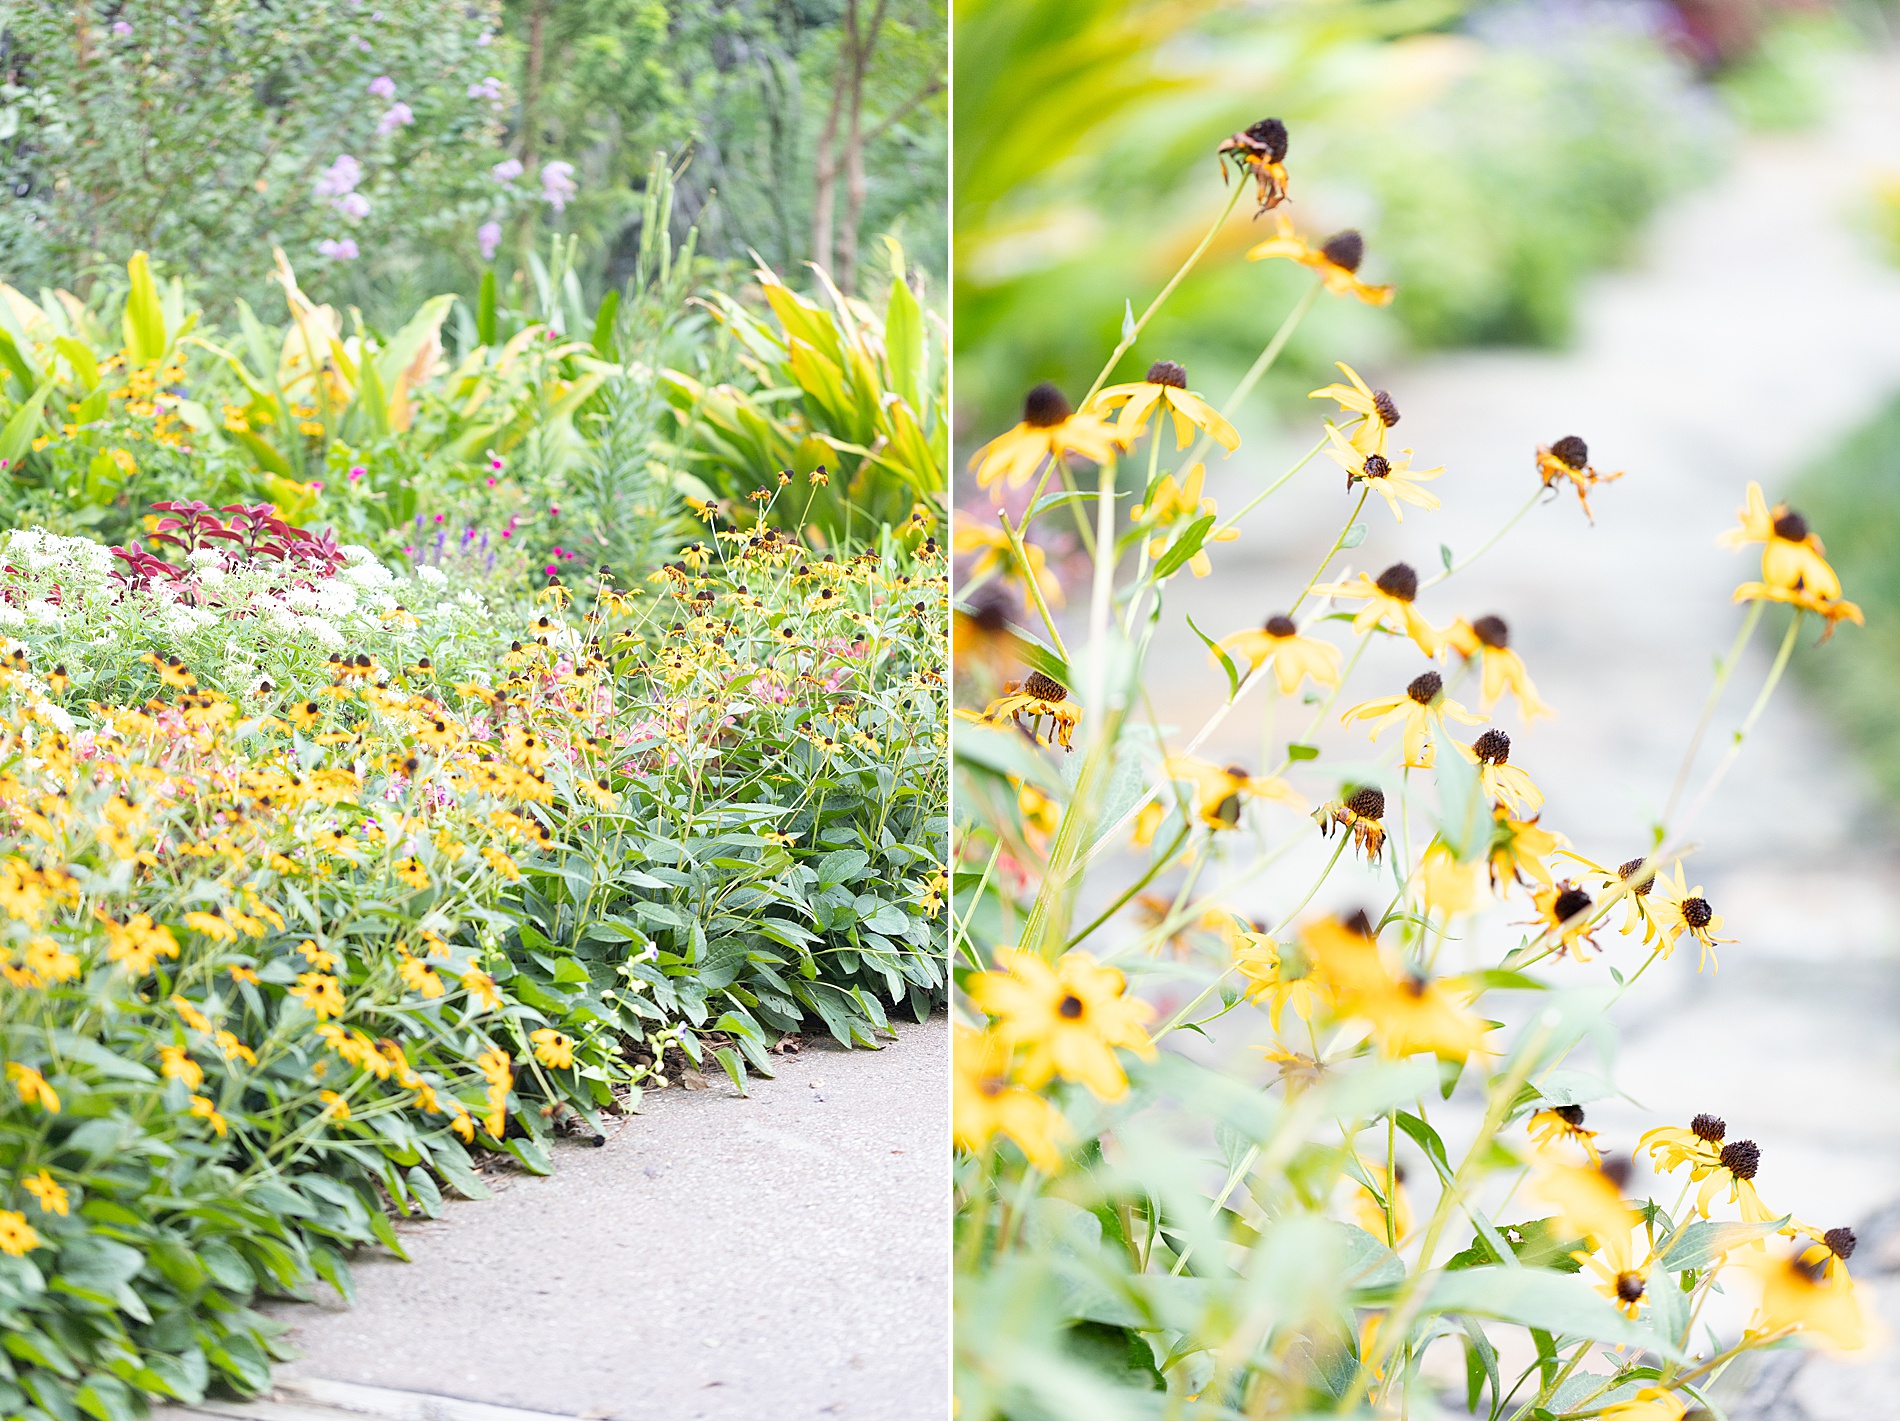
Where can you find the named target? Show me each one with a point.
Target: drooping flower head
(1294, 657)
(1488, 639)
(1423, 710)
(1569, 458)
(1337, 260)
(1259, 150)
(1163, 391)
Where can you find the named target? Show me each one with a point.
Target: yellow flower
(32, 1087)
(1564, 912)
(176, 1065)
(1049, 430)
(43, 1187)
(418, 976)
(1715, 1162)
(1569, 458)
(1258, 149)
(1448, 885)
(1834, 609)
(1504, 782)
(189, 1014)
(1337, 260)
(985, 1102)
(1278, 979)
(1066, 1019)
(1564, 1122)
(481, 990)
(1423, 709)
(1650, 1404)
(1294, 657)
(320, 993)
(1376, 410)
(1360, 811)
(206, 1111)
(1389, 602)
(998, 552)
(136, 943)
(1813, 1302)
(1040, 814)
(47, 960)
(501, 863)
(335, 1106)
(17, 1237)
(170, 670)
(1164, 391)
(1589, 1205)
(1489, 639)
(1038, 696)
(1792, 556)
(1394, 480)
(1519, 846)
(411, 872)
(1407, 1014)
(319, 960)
(1182, 503)
(552, 1049)
(212, 925)
(233, 1049)
(1222, 790)
(1676, 909)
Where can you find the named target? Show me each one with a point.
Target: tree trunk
(825, 157)
(531, 88)
(854, 152)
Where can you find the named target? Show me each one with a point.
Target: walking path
(1757, 330)
(781, 1254)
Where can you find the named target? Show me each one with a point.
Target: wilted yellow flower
(1337, 259)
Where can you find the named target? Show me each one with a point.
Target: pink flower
(507, 532)
(440, 516)
(355, 473)
(551, 570)
(353, 206)
(489, 88)
(489, 237)
(557, 184)
(394, 118)
(316, 486)
(382, 87)
(340, 177)
(342, 251)
(507, 170)
(557, 551)
(554, 510)
(121, 28)
(484, 39)
(496, 462)
(493, 482)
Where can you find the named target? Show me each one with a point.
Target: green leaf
(1706, 1240)
(81, 359)
(735, 1068)
(1353, 536)
(485, 309)
(1426, 1138)
(144, 319)
(1464, 811)
(1444, 555)
(904, 342)
(18, 432)
(1562, 1304)
(1184, 547)
(603, 341)
(1297, 752)
(1226, 661)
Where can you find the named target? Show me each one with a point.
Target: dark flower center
(1281, 626)
(1359, 924)
(1367, 803)
(1424, 689)
(1238, 772)
(1791, 527)
(1709, 1127)
(1388, 411)
(1641, 890)
(1492, 632)
(1045, 407)
(1346, 250)
(1570, 902)
(1572, 451)
(993, 1086)
(1044, 687)
(1493, 747)
(1629, 1286)
(1616, 1169)
(1571, 1115)
(1741, 1158)
(1696, 912)
(1376, 467)
(1414, 986)
(1398, 581)
(1166, 372)
(1270, 134)
(1841, 1241)
(1070, 1007)
(989, 610)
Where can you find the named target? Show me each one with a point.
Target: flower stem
(1259, 368)
(1722, 675)
(1160, 861)
(1332, 552)
(1488, 544)
(1032, 582)
(1748, 723)
(1266, 493)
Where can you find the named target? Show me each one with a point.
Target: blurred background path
(1755, 332)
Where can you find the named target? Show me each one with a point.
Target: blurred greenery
(1852, 499)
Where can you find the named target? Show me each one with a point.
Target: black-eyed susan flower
(1038, 696)
(1393, 479)
(1280, 977)
(986, 1102)
(1258, 150)
(1563, 1124)
(1181, 503)
(1489, 640)
(1049, 429)
(1163, 391)
(1569, 458)
(552, 1049)
(171, 670)
(320, 992)
(1563, 914)
(1699, 1146)
(1651, 1403)
(1389, 600)
(1407, 1013)
(1519, 847)
(1799, 1298)
(17, 1237)
(47, 1192)
(1377, 410)
(1834, 609)
(1504, 782)
(1636, 898)
(1066, 1020)
(1358, 811)
(1447, 883)
(979, 630)
(32, 1087)
(1294, 657)
(1423, 710)
(1823, 1253)
(1714, 1160)
(1220, 790)
(1794, 566)
(1676, 909)
(206, 1110)
(1337, 260)
(995, 552)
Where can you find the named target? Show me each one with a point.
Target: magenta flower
(382, 87)
(355, 473)
(336, 251)
(353, 205)
(489, 236)
(493, 482)
(557, 551)
(397, 115)
(496, 462)
(506, 171)
(557, 184)
(340, 177)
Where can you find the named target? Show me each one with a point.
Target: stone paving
(1755, 331)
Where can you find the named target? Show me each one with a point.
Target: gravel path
(783, 1254)
(1754, 333)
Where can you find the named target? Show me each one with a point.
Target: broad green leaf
(1565, 1305)
(144, 319)
(1184, 547)
(904, 342)
(1706, 1240)
(1464, 810)
(17, 435)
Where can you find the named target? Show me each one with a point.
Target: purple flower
(557, 184)
(506, 171)
(484, 39)
(489, 88)
(121, 28)
(382, 87)
(336, 251)
(340, 177)
(489, 235)
(398, 115)
(361, 43)
(353, 206)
